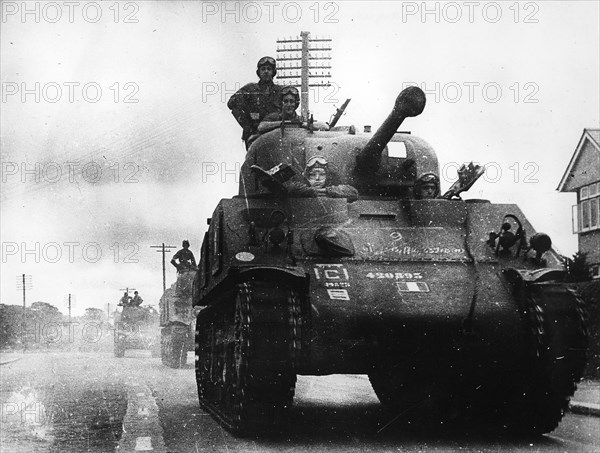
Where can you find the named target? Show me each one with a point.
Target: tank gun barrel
(410, 102)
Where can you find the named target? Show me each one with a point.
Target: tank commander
(290, 100)
(427, 187)
(137, 300)
(317, 183)
(185, 257)
(254, 101)
(125, 301)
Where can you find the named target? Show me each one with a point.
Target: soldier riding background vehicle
(136, 327)
(448, 305)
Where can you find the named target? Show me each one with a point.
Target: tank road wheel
(174, 346)
(554, 323)
(245, 359)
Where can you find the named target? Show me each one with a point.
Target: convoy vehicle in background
(177, 320)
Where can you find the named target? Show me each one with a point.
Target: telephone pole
(24, 283)
(310, 57)
(69, 308)
(163, 249)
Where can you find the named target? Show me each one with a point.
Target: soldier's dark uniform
(251, 103)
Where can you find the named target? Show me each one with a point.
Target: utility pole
(163, 249)
(24, 282)
(69, 308)
(108, 312)
(127, 290)
(301, 52)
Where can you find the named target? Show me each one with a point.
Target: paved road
(85, 402)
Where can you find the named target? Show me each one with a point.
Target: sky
(115, 134)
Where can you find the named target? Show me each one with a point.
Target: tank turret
(384, 163)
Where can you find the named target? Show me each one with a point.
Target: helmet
(293, 91)
(316, 161)
(427, 179)
(266, 61)
(185, 243)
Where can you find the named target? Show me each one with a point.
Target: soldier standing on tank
(185, 257)
(251, 103)
(137, 300)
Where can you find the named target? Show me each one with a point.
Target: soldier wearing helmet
(427, 187)
(290, 100)
(254, 101)
(318, 182)
(185, 257)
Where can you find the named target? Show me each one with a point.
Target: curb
(584, 408)
(10, 361)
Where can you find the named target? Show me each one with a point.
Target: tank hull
(408, 292)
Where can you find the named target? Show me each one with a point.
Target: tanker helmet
(291, 91)
(428, 179)
(316, 161)
(270, 61)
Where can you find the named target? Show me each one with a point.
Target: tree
(578, 269)
(94, 314)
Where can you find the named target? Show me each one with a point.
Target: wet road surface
(93, 402)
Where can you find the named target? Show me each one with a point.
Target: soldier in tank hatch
(427, 187)
(290, 100)
(185, 257)
(125, 301)
(254, 101)
(317, 182)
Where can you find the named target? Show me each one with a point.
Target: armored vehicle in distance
(177, 320)
(136, 328)
(449, 305)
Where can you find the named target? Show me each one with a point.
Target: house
(583, 177)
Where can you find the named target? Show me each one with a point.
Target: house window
(587, 215)
(584, 193)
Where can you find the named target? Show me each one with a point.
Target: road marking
(143, 443)
(142, 430)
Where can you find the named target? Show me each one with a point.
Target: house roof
(589, 134)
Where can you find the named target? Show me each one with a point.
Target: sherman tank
(177, 320)
(449, 306)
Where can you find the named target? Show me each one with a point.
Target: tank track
(247, 347)
(555, 322)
